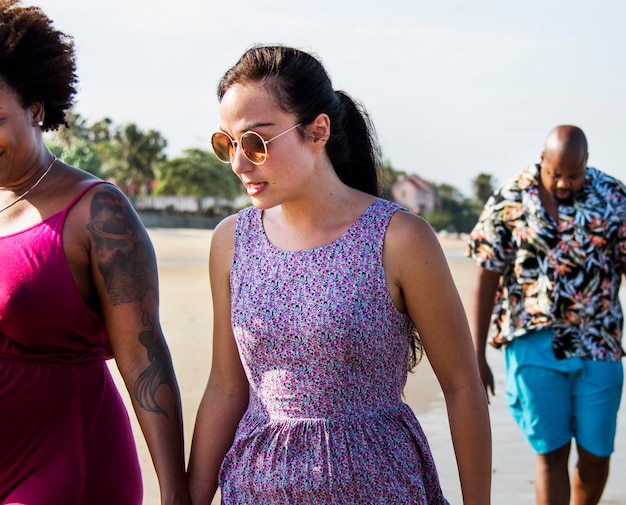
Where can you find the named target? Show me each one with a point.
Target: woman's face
(290, 160)
(18, 136)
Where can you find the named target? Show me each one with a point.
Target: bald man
(550, 247)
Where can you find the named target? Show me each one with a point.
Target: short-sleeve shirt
(565, 274)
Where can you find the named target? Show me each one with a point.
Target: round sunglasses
(254, 147)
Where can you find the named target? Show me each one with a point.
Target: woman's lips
(254, 188)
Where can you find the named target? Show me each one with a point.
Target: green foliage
(439, 219)
(454, 212)
(198, 174)
(81, 154)
(75, 145)
(483, 187)
(388, 176)
(135, 161)
(130, 158)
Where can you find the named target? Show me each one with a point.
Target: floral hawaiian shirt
(563, 275)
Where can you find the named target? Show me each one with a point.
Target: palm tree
(483, 187)
(131, 157)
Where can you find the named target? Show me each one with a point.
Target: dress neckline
(259, 217)
(56, 214)
(33, 226)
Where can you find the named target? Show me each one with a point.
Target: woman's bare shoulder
(408, 231)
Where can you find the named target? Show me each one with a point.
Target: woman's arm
(226, 396)
(420, 283)
(124, 272)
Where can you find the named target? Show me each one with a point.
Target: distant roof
(417, 181)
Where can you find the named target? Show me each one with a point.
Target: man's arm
(480, 312)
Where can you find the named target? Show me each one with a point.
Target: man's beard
(568, 200)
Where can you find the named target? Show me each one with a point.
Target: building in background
(414, 193)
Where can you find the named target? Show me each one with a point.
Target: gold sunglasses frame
(235, 143)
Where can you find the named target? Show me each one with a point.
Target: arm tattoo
(128, 268)
(159, 372)
(124, 256)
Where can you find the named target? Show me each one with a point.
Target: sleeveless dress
(65, 436)
(325, 352)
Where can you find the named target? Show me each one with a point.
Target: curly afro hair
(37, 61)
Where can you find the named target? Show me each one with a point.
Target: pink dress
(326, 355)
(65, 436)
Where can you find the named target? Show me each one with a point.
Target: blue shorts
(554, 401)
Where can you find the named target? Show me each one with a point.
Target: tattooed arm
(125, 275)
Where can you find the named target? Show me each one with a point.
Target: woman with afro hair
(78, 286)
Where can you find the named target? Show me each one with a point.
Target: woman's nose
(240, 163)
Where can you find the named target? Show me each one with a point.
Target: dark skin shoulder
(104, 236)
(77, 240)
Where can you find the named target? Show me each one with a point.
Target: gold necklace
(54, 158)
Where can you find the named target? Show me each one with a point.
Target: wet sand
(186, 319)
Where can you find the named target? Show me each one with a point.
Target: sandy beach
(186, 319)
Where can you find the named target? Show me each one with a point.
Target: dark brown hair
(37, 61)
(302, 87)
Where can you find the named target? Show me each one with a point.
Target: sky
(455, 88)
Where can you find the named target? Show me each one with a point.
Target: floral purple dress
(325, 352)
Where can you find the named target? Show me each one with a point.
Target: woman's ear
(319, 129)
(37, 112)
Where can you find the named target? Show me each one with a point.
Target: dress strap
(82, 193)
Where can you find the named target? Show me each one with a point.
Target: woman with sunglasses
(319, 290)
(78, 286)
